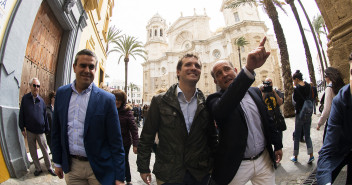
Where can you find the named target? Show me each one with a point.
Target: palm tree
(128, 46)
(314, 36)
(240, 42)
(113, 35)
(305, 43)
(318, 23)
(270, 9)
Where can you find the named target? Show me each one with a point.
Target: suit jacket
(225, 108)
(338, 138)
(102, 135)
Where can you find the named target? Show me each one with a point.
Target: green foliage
(113, 35)
(241, 41)
(128, 46)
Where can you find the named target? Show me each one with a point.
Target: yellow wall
(94, 34)
(4, 173)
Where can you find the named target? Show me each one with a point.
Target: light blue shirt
(188, 108)
(75, 120)
(256, 138)
(77, 110)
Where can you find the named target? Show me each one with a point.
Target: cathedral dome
(156, 18)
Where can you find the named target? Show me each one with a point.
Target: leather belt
(255, 157)
(81, 158)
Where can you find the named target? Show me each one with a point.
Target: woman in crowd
(49, 115)
(301, 93)
(129, 129)
(334, 83)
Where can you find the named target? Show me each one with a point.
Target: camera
(267, 87)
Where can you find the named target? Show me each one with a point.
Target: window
(237, 18)
(161, 32)
(150, 33)
(156, 33)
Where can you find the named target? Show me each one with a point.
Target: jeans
(305, 125)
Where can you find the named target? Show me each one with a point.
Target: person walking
(334, 83)
(187, 135)
(86, 136)
(246, 131)
(49, 114)
(302, 92)
(33, 123)
(129, 129)
(337, 147)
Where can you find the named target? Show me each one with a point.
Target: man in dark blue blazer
(86, 137)
(337, 148)
(246, 131)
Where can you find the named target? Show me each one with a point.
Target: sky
(132, 16)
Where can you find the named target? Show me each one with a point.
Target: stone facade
(338, 20)
(191, 34)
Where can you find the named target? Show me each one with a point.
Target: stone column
(338, 19)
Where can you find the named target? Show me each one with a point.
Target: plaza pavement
(287, 173)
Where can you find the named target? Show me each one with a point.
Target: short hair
(120, 95)
(52, 94)
(212, 69)
(298, 75)
(32, 79)
(86, 52)
(180, 62)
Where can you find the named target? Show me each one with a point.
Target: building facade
(338, 20)
(134, 92)
(94, 36)
(191, 34)
(38, 38)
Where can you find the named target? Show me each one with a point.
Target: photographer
(273, 99)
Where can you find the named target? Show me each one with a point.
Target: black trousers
(190, 180)
(127, 164)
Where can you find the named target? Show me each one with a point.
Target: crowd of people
(233, 136)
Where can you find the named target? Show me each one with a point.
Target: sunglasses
(34, 85)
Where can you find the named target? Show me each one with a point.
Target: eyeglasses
(34, 85)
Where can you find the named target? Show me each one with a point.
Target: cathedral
(191, 34)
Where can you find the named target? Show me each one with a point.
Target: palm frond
(280, 4)
(238, 3)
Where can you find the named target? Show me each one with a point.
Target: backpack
(307, 109)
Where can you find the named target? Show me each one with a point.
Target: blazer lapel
(93, 101)
(67, 97)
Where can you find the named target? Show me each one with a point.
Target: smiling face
(224, 74)
(85, 70)
(190, 70)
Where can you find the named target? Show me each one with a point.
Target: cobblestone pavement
(288, 173)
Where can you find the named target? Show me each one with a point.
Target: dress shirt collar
(181, 95)
(73, 86)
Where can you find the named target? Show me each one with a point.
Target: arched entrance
(42, 53)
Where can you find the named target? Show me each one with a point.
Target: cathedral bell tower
(245, 12)
(156, 43)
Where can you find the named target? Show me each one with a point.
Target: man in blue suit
(86, 137)
(337, 148)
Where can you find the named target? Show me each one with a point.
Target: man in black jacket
(246, 131)
(187, 135)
